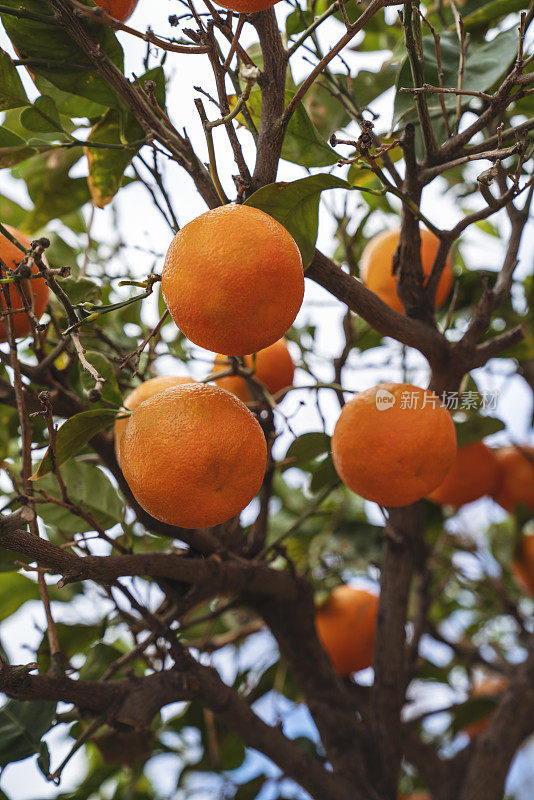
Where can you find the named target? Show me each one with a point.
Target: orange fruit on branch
(346, 625)
(35, 289)
(376, 267)
(523, 565)
(394, 443)
(118, 9)
(515, 483)
(415, 796)
(246, 6)
(233, 280)
(141, 393)
(473, 474)
(273, 367)
(193, 455)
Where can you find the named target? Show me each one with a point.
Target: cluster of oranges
(194, 455)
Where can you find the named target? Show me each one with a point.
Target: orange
(36, 289)
(119, 9)
(247, 6)
(346, 625)
(394, 443)
(233, 280)
(141, 393)
(415, 796)
(516, 477)
(523, 565)
(193, 455)
(273, 367)
(376, 267)
(491, 686)
(473, 474)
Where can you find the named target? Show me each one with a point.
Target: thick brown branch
(220, 576)
(380, 316)
(135, 702)
(272, 84)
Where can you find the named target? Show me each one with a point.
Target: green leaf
(22, 724)
(13, 148)
(80, 290)
(251, 789)
(52, 190)
(476, 428)
(12, 94)
(15, 590)
(89, 488)
(307, 447)
(491, 12)
(99, 657)
(107, 165)
(296, 206)
(43, 116)
(303, 144)
(73, 435)
(324, 474)
(70, 105)
(52, 53)
(110, 390)
(485, 64)
(12, 213)
(73, 639)
(43, 759)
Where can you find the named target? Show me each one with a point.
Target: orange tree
(169, 604)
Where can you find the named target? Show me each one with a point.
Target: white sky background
(147, 233)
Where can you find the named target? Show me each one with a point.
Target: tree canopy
(197, 649)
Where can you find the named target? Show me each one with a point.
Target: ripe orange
(473, 474)
(346, 625)
(247, 6)
(377, 263)
(515, 484)
(523, 565)
(415, 796)
(193, 455)
(37, 289)
(141, 393)
(490, 686)
(119, 9)
(393, 443)
(233, 280)
(273, 367)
